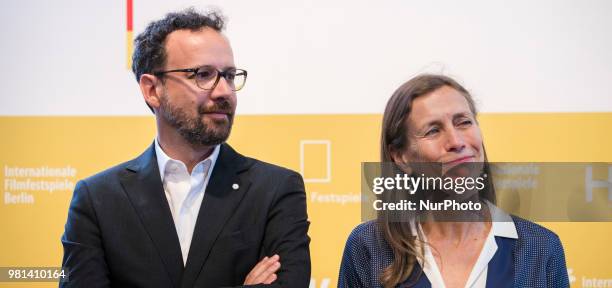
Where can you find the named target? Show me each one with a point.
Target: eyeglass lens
(208, 77)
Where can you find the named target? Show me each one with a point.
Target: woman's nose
(454, 141)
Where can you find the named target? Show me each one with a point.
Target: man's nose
(222, 90)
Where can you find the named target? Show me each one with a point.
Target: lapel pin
(235, 186)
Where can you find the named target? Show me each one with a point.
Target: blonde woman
(432, 118)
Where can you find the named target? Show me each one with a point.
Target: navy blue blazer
(120, 232)
(535, 259)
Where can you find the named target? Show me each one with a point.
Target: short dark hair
(149, 53)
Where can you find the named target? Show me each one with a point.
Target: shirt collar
(163, 158)
(502, 224)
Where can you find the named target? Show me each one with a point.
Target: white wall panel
(311, 57)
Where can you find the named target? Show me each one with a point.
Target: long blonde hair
(399, 234)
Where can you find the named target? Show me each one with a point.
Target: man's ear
(150, 87)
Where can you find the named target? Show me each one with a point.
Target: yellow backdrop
(326, 149)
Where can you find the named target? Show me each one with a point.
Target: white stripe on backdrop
(346, 56)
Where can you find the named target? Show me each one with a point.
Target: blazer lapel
(220, 200)
(417, 278)
(500, 271)
(145, 190)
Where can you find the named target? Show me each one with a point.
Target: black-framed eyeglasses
(207, 77)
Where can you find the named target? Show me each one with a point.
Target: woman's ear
(401, 160)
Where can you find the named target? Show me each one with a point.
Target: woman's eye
(465, 123)
(432, 132)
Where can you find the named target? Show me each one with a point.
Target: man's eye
(205, 74)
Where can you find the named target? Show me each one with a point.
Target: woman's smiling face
(443, 129)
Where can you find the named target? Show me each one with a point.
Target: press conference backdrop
(320, 73)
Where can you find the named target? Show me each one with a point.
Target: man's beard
(193, 129)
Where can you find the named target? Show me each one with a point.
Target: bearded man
(190, 211)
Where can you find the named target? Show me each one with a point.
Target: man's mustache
(222, 107)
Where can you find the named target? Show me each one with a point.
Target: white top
(184, 191)
(501, 226)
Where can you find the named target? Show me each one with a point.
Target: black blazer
(120, 231)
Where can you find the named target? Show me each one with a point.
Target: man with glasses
(190, 211)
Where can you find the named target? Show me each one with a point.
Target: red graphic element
(129, 38)
(129, 15)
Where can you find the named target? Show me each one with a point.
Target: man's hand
(264, 272)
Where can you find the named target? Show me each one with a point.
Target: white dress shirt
(184, 192)
(501, 226)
